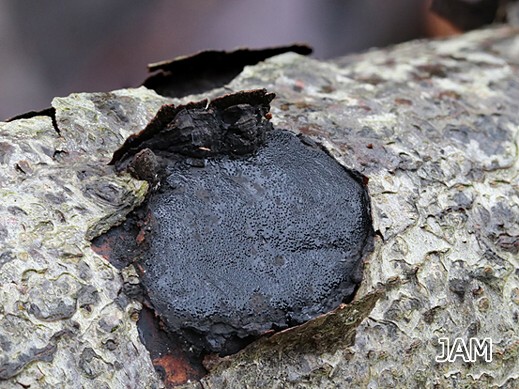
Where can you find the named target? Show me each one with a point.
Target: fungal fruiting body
(250, 228)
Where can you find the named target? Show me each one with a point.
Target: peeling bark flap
(209, 69)
(182, 131)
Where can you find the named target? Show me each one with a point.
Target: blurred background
(53, 48)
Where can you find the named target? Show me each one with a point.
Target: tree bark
(432, 124)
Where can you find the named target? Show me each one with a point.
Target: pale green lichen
(56, 294)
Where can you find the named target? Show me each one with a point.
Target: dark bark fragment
(208, 69)
(231, 124)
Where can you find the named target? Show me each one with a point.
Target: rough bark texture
(433, 125)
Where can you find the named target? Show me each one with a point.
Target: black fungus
(265, 233)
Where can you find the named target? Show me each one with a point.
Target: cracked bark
(434, 127)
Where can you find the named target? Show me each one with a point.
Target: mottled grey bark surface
(433, 125)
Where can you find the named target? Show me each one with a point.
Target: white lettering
(468, 352)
